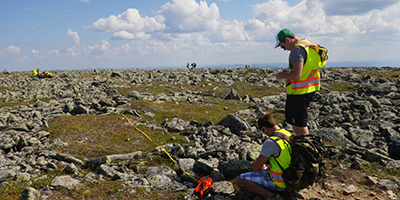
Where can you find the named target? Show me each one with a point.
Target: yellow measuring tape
(159, 146)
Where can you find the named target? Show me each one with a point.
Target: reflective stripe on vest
(309, 82)
(277, 178)
(310, 77)
(284, 159)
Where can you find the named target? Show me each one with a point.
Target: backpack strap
(280, 166)
(281, 136)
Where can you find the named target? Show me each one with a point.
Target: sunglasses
(282, 45)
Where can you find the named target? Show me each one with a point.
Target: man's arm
(295, 74)
(259, 164)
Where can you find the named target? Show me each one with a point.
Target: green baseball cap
(282, 35)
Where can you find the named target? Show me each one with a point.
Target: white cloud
(130, 36)
(10, 50)
(98, 50)
(75, 37)
(124, 35)
(254, 24)
(73, 51)
(229, 32)
(305, 16)
(179, 16)
(309, 19)
(190, 16)
(386, 22)
(129, 21)
(257, 30)
(54, 52)
(13, 49)
(35, 51)
(123, 49)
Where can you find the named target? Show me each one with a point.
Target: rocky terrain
(356, 124)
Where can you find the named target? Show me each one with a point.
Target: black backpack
(394, 149)
(307, 165)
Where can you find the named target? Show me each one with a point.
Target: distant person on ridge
(47, 74)
(41, 74)
(36, 72)
(303, 78)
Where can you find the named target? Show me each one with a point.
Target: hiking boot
(258, 197)
(276, 197)
(299, 196)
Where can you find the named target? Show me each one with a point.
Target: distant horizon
(227, 66)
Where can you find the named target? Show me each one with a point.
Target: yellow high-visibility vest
(310, 76)
(284, 159)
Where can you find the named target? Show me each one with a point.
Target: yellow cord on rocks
(159, 146)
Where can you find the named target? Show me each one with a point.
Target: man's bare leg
(253, 187)
(300, 130)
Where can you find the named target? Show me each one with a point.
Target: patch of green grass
(156, 87)
(14, 190)
(213, 88)
(21, 103)
(214, 110)
(113, 190)
(4, 89)
(91, 136)
(339, 86)
(105, 189)
(379, 170)
(102, 190)
(279, 117)
(386, 74)
(256, 90)
(245, 72)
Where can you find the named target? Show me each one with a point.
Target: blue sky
(87, 34)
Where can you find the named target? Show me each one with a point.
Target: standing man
(303, 78)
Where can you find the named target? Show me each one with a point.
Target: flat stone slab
(65, 181)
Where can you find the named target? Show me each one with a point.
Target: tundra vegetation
(91, 136)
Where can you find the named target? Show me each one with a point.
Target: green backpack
(307, 165)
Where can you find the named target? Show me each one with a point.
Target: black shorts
(296, 109)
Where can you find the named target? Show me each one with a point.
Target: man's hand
(295, 74)
(282, 74)
(264, 167)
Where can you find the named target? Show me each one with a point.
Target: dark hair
(267, 121)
